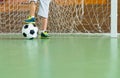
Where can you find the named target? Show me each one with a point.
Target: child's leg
(43, 12)
(44, 21)
(32, 8)
(44, 33)
(31, 18)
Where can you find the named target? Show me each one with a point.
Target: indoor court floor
(67, 57)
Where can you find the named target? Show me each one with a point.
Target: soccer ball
(30, 31)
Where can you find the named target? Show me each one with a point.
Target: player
(43, 12)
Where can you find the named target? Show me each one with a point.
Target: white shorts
(43, 8)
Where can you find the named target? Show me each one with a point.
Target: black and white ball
(30, 31)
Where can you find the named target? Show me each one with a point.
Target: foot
(30, 20)
(44, 35)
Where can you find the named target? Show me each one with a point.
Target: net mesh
(65, 16)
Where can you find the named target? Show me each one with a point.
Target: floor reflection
(114, 58)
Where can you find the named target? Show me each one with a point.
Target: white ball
(30, 31)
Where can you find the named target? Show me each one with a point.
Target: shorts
(43, 8)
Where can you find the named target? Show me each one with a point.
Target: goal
(65, 16)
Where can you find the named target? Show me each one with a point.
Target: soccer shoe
(30, 20)
(44, 35)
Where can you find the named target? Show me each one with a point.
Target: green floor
(79, 57)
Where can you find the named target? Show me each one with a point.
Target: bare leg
(31, 18)
(32, 8)
(44, 25)
(44, 34)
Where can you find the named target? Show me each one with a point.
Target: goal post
(114, 18)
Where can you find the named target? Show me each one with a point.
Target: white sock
(43, 30)
(40, 31)
(33, 16)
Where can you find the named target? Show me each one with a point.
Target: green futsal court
(60, 57)
(73, 50)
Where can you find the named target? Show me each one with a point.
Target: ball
(30, 31)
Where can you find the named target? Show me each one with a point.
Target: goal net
(65, 16)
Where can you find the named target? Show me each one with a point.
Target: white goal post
(114, 18)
